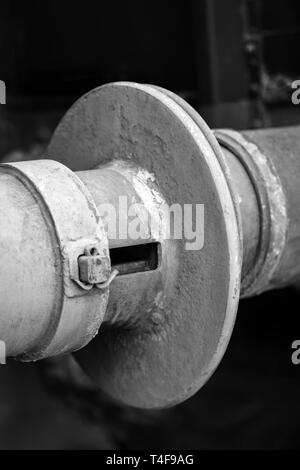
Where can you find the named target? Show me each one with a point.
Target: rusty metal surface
(270, 221)
(281, 148)
(249, 211)
(178, 347)
(271, 157)
(93, 268)
(169, 316)
(48, 217)
(132, 297)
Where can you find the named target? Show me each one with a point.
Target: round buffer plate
(163, 364)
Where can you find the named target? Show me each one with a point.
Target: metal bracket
(93, 268)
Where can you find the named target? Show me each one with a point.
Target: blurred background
(234, 61)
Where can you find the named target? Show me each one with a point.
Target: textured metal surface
(271, 158)
(47, 219)
(248, 205)
(271, 204)
(131, 297)
(93, 268)
(281, 150)
(174, 352)
(170, 311)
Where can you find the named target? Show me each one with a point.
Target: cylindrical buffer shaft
(271, 220)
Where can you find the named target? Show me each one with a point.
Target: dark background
(234, 61)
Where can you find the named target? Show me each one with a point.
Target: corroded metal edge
(273, 210)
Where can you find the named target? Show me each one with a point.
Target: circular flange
(170, 360)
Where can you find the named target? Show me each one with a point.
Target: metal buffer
(166, 313)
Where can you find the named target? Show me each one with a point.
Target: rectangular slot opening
(136, 258)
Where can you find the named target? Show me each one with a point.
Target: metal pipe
(271, 157)
(47, 220)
